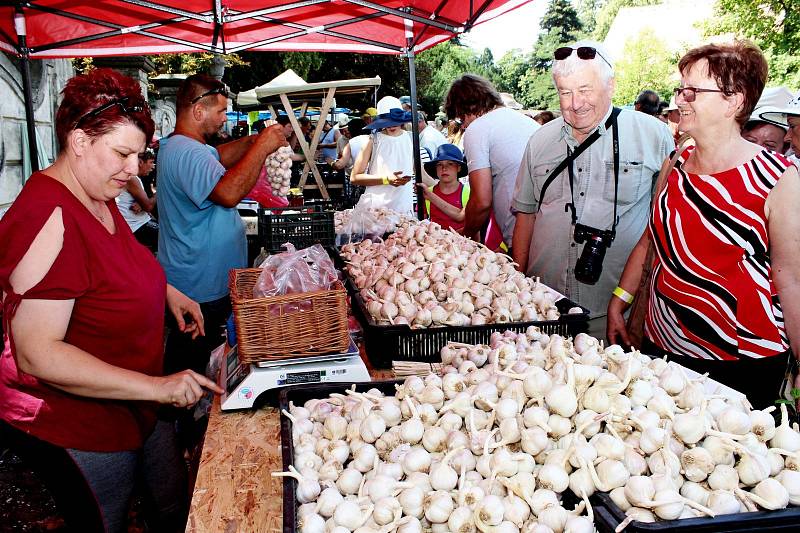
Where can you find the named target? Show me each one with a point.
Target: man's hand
(183, 389)
(273, 137)
(181, 305)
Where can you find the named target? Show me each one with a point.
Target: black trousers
(181, 352)
(148, 235)
(758, 379)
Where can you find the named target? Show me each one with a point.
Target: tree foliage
(647, 63)
(774, 25)
(437, 67)
(562, 19)
(527, 75)
(190, 63)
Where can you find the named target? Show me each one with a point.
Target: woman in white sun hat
(386, 163)
(787, 116)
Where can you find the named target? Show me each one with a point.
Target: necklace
(98, 216)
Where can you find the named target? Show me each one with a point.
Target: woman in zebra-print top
(725, 291)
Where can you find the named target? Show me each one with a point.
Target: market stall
(290, 94)
(86, 28)
(525, 423)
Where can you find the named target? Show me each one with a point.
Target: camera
(590, 263)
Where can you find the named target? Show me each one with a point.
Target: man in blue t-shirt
(201, 235)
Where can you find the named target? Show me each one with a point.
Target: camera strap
(573, 155)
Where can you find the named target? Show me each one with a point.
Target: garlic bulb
(278, 168)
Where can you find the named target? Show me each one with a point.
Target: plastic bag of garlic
(353, 225)
(509, 429)
(279, 170)
(423, 275)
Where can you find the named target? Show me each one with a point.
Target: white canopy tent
(249, 99)
(289, 90)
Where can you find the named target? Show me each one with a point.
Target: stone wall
(48, 78)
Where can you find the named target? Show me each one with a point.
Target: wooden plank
(307, 151)
(310, 163)
(234, 491)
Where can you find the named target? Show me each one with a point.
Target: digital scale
(244, 383)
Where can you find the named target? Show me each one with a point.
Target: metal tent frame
(221, 26)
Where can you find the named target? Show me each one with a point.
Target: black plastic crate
(299, 394)
(332, 204)
(607, 516)
(303, 227)
(385, 344)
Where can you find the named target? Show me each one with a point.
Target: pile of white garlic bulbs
(279, 170)
(493, 443)
(380, 221)
(425, 276)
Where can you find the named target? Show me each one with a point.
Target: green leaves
(646, 64)
(774, 25)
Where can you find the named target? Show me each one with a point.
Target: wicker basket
(284, 327)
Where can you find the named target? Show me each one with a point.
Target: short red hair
(737, 67)
(87, 92)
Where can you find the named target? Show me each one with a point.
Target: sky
(517, 29)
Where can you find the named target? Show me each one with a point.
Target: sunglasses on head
(215, 90)
(690, 93)
(584, 52)
(121, 102)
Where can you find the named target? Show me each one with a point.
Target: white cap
(775, 104)
(387, 103)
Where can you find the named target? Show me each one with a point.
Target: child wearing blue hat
(445, 202)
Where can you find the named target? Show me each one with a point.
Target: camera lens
(590, 263)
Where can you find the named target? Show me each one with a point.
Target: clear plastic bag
(295, 271)
(363, 224)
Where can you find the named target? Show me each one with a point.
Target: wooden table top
(234, 491)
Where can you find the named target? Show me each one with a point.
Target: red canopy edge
(79, 28)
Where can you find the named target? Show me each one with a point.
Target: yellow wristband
(385, 180)
(623, 295)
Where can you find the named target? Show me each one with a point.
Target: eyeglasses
(121, 102)
(690, 93)
(215, 90)
(584, 52)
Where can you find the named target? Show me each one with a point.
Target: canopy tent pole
(25, 68)
(412, 81)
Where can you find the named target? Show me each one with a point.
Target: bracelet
(623, 295)
(385, 180)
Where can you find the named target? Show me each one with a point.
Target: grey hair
(573, 63)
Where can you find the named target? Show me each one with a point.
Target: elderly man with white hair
(583, 190)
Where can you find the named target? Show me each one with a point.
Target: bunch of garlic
(423, 276)
(279, 170)
(492, 444)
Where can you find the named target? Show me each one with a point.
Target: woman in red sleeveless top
(82, 301)
(725, 285)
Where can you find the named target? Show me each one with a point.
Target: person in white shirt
(385, 165)
(429, 137)
(494, 139)
(135, 206)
